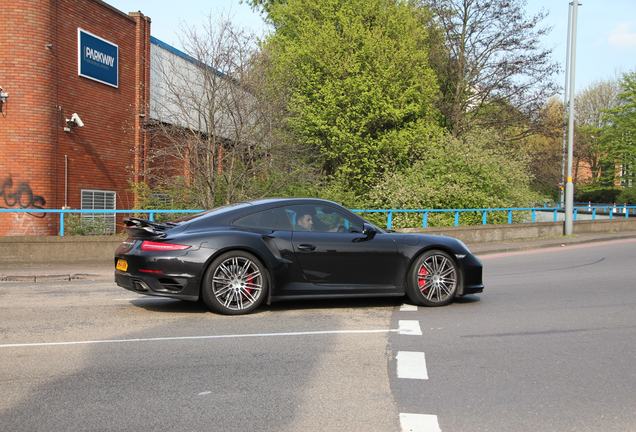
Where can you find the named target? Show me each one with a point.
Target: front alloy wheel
(235, 283)
(433, 279)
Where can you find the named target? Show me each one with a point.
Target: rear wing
(144, 229)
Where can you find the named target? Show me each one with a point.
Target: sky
(606, 39)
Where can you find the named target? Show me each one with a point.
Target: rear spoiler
(141, 228)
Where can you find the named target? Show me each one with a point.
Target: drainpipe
(65, 181)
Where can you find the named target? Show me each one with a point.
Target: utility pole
(569, 186)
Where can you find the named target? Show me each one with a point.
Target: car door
(275, 229)
(334, 254)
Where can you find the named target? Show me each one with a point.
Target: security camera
(4, 96)
(75, 118)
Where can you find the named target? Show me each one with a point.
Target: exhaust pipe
(141, 286)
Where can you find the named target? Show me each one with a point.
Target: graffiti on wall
(24, 225)
(21, 196)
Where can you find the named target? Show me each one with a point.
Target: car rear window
(214, 212)
(274, 219)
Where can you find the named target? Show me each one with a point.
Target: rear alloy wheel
(433, 279)
(235, 283)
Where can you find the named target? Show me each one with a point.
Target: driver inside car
(305, 222)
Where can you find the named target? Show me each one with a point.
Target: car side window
(274, 219)
(319, 218)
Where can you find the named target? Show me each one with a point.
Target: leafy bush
(453, 173)
(74, 224)
(172, 196)
(627, 196)
(596, 194)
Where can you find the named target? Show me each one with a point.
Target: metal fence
(612, 211)
(507, 214)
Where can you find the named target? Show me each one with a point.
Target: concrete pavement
(549, 345)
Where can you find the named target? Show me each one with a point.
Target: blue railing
(612, 211)
(151, 213)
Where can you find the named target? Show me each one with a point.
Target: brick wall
(163, 160)
(26, 132)
(38, 54)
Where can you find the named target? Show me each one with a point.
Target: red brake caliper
(421, 278)
(250, 280)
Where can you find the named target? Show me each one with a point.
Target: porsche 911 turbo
(236, 257)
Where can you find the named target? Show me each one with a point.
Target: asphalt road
(550, 345)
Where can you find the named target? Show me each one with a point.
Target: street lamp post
(565, 113)
(569, 186)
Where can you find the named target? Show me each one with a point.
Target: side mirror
(368, 230)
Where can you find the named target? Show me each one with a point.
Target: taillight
(150, 246)
(150, 271)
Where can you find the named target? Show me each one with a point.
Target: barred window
(99, 200)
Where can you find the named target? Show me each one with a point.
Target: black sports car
(235, 257)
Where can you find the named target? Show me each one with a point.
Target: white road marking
(176, 338)
(143, 298)
(408, 308)
(419, 423)
(409, 327)
(204, 393)
(411, 365)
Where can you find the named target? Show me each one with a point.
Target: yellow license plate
(122, 265)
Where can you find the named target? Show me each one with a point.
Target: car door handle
(306, 247)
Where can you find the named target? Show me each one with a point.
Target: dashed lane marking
(419, 423)
(409, 327)
(411, 365)
(408, 308)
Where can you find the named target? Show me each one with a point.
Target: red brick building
(47, 161)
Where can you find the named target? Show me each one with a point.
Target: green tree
(544, 148)
(495, 61)
(591, 107)
(619, 136)
(357, 81)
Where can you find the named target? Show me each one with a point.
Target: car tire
(235, 283)
(433, 279)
